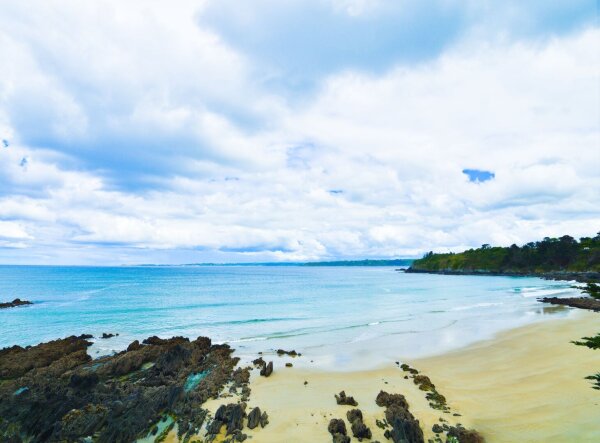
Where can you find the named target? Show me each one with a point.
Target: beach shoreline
(526, 384)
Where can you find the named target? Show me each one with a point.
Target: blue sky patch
(478, 175)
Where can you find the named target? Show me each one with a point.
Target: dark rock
(264, 419)
(339, 438)
(337, 426)
(214, 427)
(405, 428)
(360, 430)
(342, 399)
(465, 435)
(384, 400)
(13, 304)
(424, 383)
(115, 398)
(258, 362)
(354, 414)
(134, 346)
(437, 429)
(108, 335)
(288, 365)
(254, 418)
(267, 369)
(83, 381)
(292, 353)
(575, 302)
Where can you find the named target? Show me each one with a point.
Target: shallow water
(340, 317)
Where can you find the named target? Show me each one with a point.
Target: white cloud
(370, 165)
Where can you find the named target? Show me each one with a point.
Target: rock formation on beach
(55, 392)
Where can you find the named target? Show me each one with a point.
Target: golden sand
(526, 385)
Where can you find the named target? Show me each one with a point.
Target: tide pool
(339, 317)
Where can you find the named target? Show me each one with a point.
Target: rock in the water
(254, 418)
(13, 304)
(342, 399)
(108, 335)
(288, 365)
(292, 353)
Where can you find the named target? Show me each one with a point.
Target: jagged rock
(354, 414)
(384, 400)
(267, 369)
(405, 428)
(337, 429)
(339, 438)
(134, 346)
(337, 426)
(214, 427)
(360, 430)
(424, 383)
(342, 399)
(264, 419)
(254, 418)
(13, 304)
(258, 362)
(574, 302)
(437, 429)
(115, 398)
(292, 353)
(108, 335)
(83, 381)
(465, 435)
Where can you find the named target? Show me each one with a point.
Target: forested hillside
(549, 255)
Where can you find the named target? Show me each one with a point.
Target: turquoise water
(339, 317)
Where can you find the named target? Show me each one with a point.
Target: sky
(266, 130)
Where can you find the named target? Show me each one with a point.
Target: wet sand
(525, 385)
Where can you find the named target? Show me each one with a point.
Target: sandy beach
(526, 384)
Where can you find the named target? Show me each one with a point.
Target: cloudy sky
(268, 130)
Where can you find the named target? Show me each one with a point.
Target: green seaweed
(590, 342)
(596, 380)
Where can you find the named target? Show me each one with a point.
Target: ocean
(337, 317)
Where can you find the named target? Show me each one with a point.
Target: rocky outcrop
(267, 369)
(13, 304)
(359, 429)
(291, 353)
(337, 429)
(465, 435)
(342, 399)
(574, 302)
(55, 392)
(403, 426)
(106, 335)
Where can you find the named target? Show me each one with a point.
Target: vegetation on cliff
(549, 255)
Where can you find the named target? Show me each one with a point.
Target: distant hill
(395, 262)
(551, 255)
